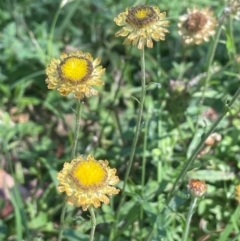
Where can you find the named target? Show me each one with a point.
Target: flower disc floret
(195, 22)
(87, 182)
(89, 174)
(141, 24)
(75, 73)
(197, 26)
(76, 70)
(141, 16)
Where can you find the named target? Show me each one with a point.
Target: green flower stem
(62, 218)
(73, 155)
(144, 162)
(134, 144)
(189, 217)
(201, 144)
(232, 52)
(135, 139)
(210, 60)
(50, 37)
(93, 220)
(77, 127)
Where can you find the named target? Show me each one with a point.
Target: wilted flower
(197, 26)
(75, 73)
(233, 8)
(196, 187)
(213, 139)
(141, 24)
(210, 142)
(87, 182)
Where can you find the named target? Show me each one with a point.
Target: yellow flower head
(237, 196)
(196, 187)
(87, 182)
(197, 25)
(75, 73)
(142, 24)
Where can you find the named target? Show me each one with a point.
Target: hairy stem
(93, 220)
(189, 217)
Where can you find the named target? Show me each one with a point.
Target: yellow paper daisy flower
(75, 73)
(197, 26)
(142, 24)
(87, 182)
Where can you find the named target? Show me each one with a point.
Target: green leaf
(212, 175)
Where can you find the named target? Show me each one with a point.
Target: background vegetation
(36, 124)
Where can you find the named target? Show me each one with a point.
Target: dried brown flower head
(196, 187)
(213, 139)
(197, 26)
(234, 8)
